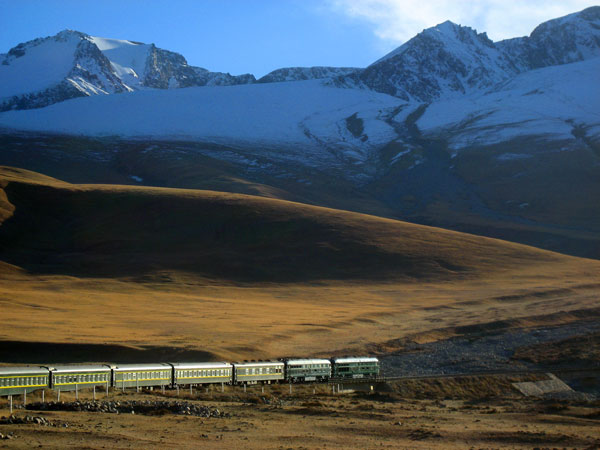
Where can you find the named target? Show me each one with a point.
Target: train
(25, 379)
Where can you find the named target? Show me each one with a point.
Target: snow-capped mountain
(445, 60)
(452, 129)
(73, 64)
(450, 60)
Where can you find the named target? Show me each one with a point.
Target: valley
(437, 209)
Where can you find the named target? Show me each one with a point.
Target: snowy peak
(442, 61)
(48, 70)
(445, 32)
(451, 60)
(73, 64)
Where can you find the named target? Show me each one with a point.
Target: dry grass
(239, 276)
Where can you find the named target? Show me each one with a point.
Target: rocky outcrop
(165, 69)
(560, 41)
(306, 73)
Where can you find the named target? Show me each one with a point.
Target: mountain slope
(303, 122)
(517, 163)
(118, 230)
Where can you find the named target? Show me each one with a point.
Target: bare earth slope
(237, 276)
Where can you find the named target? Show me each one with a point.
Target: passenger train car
(259, 372)
(21, 380)
(141, 375)
(202, 373)
(74, 377)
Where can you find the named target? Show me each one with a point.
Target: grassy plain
(235, 276)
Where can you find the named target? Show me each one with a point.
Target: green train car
(202, 373)
(302, 370)
(253, 372)
(361, 367)
(141, 375)
(21, 380)
(73, 378)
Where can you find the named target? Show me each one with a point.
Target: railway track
(461, 375)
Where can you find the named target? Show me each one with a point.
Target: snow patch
(127, 58)
(45, 63)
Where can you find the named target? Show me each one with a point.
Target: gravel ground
(157, 407)
(476, 354)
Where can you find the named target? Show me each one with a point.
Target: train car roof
(80, 368)
(308, 361)
(202, 365)
(23, 370)
(153, 366)
(258, 363)
(355, 359)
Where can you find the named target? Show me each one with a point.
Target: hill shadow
(62, 353)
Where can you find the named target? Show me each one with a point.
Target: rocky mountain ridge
(445, 61)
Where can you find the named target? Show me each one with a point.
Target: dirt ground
(422, 418)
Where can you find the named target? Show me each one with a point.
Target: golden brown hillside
(237, 276)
